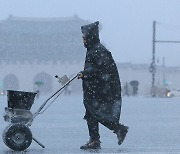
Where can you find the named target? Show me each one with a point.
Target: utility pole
(152, 68)
(153, 64)
(164, 77)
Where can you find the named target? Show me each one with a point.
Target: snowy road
(154, 127)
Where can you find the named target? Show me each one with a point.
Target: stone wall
(19, 76)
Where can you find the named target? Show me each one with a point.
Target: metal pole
(167, 41)
(153, 65)
(164, 77)
(44, 104)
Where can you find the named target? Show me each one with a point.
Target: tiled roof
(41, 39)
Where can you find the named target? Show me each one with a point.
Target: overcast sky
(126, 24)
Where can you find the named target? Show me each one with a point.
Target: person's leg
(111, 125)
(93, 128)
(94, 141)
(119, 129)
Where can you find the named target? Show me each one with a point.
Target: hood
(91, 33)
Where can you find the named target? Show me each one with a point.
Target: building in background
(34, 50)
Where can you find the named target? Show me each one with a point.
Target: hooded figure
(101, 88)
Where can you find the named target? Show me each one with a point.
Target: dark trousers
(93, 127)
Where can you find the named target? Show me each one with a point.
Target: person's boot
(91, 144)
(121, 133)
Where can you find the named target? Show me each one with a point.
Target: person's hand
(80, 75)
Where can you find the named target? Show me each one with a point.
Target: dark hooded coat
(101, 83)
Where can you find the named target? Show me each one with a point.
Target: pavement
(154, 127)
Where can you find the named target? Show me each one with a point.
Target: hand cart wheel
(17, 137)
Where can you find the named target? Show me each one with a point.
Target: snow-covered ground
(154, 127)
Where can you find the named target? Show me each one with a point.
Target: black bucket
(20, 99)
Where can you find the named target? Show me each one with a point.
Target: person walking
(101, 89)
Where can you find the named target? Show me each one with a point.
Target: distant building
(34, 50)
(140, 72)
(41, 40)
